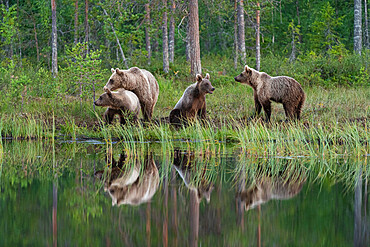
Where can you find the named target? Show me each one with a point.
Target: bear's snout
(236, 79)
(211, 90)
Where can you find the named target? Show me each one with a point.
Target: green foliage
(325, 36)
(8, 25)
(83, 71)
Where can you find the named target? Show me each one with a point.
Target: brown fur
(186, 165)
(281, 89)
(123, 103)
(139, 81)
(131, 184)
(193, 101)
(267, 188)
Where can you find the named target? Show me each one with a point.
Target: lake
(92, 193)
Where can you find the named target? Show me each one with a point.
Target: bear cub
(122, 102)
(141, 82)
(193, 102)
(280, 89)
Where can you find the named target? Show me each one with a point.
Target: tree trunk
(87, 25)
(194, 47)
(357, 209)
(235, 35)
(258, 45)
(119, 44)
(194, 216)
(54, 49)
(187, 41)
(241, 33)
(147, 32)
(293, 54)
(165, 38)
(36, 39)
(366, 26)
(76, 21)
(171, 43)
(299, 21)
(357, 37)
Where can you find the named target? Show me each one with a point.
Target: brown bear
(266, 188)
(193, 101)
(139, 81)
(281, 89)
(129, 182)
(188, 167)
(124, 103)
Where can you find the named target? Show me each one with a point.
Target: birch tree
(147, 32)
(165, 37)
(357, 36)
(241, 32)
(171, 36)
(54, 35)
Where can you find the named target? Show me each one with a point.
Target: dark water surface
(71, 194)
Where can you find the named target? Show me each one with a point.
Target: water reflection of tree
(361, 223)
(192, 170)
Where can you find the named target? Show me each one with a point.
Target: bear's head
(116, 80)
(246, 77)
(204, 191)
(106, 99)
(204, 85)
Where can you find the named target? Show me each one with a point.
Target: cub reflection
(194, 177)
(267, 187)
(130, 182)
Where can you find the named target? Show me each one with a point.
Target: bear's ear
(112, 70)
(108, 92)
(199, 78)
(207, 76)
(118, 71)
(246, 68)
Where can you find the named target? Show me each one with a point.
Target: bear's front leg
(257, 105)
(202, 113)
(267, 108)
(109, 115)
(122, 118)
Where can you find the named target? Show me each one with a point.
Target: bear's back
(128, 99)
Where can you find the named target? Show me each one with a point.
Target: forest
(56, 57)
(229, 179)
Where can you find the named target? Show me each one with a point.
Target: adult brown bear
(139, 81)
(281, 89)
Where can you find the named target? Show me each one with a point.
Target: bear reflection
(194, 177)
(130, 182)
(267, 187)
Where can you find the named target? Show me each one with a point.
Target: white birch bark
(357, 37)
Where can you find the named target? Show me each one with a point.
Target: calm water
(65, 195)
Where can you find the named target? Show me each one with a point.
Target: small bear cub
(122, 102)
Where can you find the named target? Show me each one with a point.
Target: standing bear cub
(124, 103)
(193, 101)
(281, 89)
(139, 81)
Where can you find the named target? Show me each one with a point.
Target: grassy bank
(334, 121)
(334, 118)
